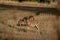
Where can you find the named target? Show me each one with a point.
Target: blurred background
(46, 12)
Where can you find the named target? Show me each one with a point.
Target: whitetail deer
(29, 22)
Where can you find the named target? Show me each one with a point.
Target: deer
(32, 22)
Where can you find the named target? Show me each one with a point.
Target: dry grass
(9, 30)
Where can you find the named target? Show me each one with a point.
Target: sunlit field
(46, 28)
(10, 31)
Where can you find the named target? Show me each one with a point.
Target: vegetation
(35, 0)
(25, 0)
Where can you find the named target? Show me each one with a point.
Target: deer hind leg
(18, 24)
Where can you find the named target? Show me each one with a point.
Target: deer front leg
(37, 27)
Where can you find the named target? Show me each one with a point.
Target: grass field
(9, 30)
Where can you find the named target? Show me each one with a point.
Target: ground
(47, 23)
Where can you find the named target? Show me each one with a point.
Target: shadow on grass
(22, 30)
